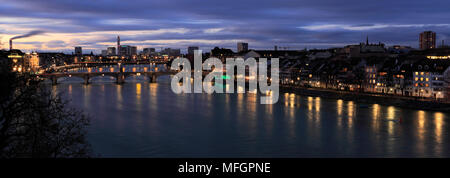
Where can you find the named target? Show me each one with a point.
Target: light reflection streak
(438, 123)
(350, 113)
(391, 121)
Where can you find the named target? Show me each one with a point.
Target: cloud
(180, 23)
(369, 27)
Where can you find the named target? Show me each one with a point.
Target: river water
(141, 119)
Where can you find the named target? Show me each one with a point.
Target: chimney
(10, 45)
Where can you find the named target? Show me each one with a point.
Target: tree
(34, 122)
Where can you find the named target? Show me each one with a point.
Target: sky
(295, 24)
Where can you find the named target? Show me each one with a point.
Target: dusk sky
(95, 24)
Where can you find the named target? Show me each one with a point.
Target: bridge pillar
(54, 80)
(86, 79)
(120, 79)
(153, 78)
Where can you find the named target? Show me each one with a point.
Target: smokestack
(29, 34)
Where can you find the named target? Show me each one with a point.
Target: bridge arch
(147, 77)
(110, 77)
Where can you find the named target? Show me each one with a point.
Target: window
(427, 79)
(417, 73)
(416, 79)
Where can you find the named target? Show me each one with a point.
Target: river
(141, 119)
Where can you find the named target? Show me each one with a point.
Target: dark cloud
(263, 23)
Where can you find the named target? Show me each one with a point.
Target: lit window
(421, 73)
(417, 78)
(421, 78)
(426, 79)
(417, 73)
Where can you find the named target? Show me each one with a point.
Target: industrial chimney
(10, 45)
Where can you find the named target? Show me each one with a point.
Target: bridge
(97, 63)
(119, 76)
(103, 63)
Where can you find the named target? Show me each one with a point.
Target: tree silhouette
(35, 122)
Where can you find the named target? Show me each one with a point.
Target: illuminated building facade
(429, 80)
(427, 40)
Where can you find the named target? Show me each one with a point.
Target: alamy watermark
(213, 81)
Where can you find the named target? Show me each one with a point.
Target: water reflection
(438, 123)
(238, 125)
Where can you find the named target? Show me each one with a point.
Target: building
(133, 50)
(191, 49)
(171, 52)
(118, 45)
(148, 51)
(242, 47)
(447, 84)
(370, 82)
(111, 51)
(427, 40)
(104, 52)
(78, 51)
(222, 53)
(126, 50)
(429, 80)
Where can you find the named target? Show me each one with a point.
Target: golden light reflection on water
(119, 97)
(375, 111)
(438, 123)
(350, 113)
(391, 117)
(310, 103)
(251, 104)
(240, 103)
(153, 87)
(70, 90)
(350, 107)
(421, 119)
(375, 116)
(317, 104)
(138, 95)
(339, 109)
(292, 100)
(317, 113)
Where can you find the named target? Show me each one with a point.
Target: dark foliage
(36, 122)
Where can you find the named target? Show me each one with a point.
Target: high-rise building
(427, 40)
(242, 47)
(191, 49)
(133, 50)
(111, 51)
(126, 50)
(148, 51)
(78, 51)
(118, 45)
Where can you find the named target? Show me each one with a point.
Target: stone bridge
(119, 76)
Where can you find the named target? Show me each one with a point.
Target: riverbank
(369, 98)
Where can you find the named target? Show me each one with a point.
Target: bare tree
(34, 122)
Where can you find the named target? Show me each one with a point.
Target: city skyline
(321, 24)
